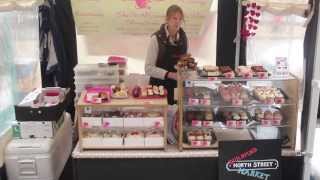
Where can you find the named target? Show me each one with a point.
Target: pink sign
(142, 4)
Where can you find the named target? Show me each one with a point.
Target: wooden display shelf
(160, 105)
(188, 146)
(122, 148)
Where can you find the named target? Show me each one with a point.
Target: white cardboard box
(90, 122)
(113, 142)
(133, 122)
(134, 142)
(112, 122)
(154, 141)
(156, 122)
(36, 129)
(91, 142)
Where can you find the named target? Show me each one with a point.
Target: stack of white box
(100, 74)
(42, 135)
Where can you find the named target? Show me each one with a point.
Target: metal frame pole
(238, 36)
(314, 103)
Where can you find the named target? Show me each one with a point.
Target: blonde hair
(174, 9)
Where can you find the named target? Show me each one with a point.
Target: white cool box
(41, 158)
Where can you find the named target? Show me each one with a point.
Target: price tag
(87, 110)
(282, 67)
(106, 125)
(188, 83)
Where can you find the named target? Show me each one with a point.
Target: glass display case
(235, 107)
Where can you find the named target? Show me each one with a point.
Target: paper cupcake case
(234, 118)
(274, 116)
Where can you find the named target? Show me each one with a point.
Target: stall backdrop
(124, 27)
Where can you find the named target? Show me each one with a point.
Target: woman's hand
(172, 75)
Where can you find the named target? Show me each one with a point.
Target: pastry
(144, 92)
(257, 111)
(244, 95)
(207, 123)
(235, 116)
(153, 114)
(150, 92)
(208, 115)
(135, 134)
(207, 136)
(258, 69)
(277, 116)
(243, 116)
(187, 62)
(153, 133)
(245, 72)
(210, 68)
(268, 115)
(161, 90)
(225, 69)
(155, 90)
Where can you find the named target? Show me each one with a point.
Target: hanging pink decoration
(142, 4)
(251, 20)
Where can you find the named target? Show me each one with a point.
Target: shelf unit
(253, 129)
(122, 105)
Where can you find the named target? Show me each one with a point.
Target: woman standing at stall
(167, 45)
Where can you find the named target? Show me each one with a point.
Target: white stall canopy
(10, 5)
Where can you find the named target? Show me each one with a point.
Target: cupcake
(208, 116)
(191, 136)
(257, 111)
(135, 134)
(277, 116)
(235, 116)
(153, 134)
(227, 115)
(243, 116)
(268, 115)
(244, 96)
(260, 116)
(207, 136)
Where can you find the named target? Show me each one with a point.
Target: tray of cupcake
(234, 118)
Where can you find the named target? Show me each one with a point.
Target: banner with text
(250, 160)
(135, 17)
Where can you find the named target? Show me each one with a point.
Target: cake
(135, 134)
(244, 71)
(211, 70)
(268, 115)
(154, 133)
(243, 116)
(225, 69)
(208, 115)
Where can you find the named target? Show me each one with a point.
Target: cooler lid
(29, 146)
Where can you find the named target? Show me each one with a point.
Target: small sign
(250, 160)
(282, 67)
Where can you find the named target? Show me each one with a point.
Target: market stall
(124, 124)
(203, 105)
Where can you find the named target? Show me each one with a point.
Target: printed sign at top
(142, 4)
(135, 17)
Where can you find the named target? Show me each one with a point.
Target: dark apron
(170, 59)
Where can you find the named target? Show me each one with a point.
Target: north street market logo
(253, 165)
(251, 168)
